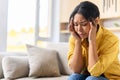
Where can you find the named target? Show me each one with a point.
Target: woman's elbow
(75, 69)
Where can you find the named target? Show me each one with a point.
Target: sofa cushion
(15, 67)
(62, 49)
(3, 54)
(63, 77)
(42, 62)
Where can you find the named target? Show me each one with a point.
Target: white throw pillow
(42, 62)
(3, 54)
(15, 67)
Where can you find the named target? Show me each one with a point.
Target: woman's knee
(96, 78)
(73, 76)
(76, 76)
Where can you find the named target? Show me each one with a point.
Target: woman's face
(81, 26)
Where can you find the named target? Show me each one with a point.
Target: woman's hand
(92, 32)
(72, 30)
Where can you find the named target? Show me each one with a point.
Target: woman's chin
(83, 37)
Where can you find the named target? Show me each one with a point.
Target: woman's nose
(80, 28)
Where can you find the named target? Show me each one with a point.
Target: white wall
(3, 24)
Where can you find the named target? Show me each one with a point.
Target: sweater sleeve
(107, 55)
(71, 48)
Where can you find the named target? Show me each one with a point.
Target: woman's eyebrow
(83, 21)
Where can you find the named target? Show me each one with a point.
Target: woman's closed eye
(84, 24)
(75, 24)
(81, 24)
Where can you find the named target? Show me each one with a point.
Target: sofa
(17, 66)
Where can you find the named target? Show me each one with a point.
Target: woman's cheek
(76, 29)
(87, 29)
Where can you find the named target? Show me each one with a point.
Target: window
(43, 22)
(44, 18)
(21, 24)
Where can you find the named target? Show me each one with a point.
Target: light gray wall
(3, 24)
(110, 23)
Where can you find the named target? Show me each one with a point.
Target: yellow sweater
(107, 50)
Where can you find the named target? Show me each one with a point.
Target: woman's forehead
(79, 17)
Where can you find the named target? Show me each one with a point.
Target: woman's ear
(97, 20)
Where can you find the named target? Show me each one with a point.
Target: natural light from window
(44, 18)
(21, 24)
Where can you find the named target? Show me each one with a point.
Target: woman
(93, 50)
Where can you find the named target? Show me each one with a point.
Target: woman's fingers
(70, 25)
(72, 30)
(92, 22)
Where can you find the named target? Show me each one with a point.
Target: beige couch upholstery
(61, 48)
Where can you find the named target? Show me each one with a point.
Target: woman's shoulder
(109, 35)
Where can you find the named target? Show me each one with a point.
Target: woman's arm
(107, 56)
(92, 56)
(76, 61)
(92, 52)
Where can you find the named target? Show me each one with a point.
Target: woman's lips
(81, 33)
